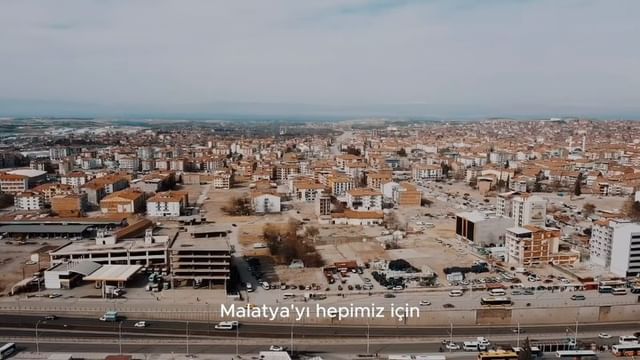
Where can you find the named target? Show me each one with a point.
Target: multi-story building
(534, 245)
(265, 203)
(426, 172)
(129, 163)
(481, 229)
(28, 200)
(529, 210)
(364, 199)
(504, 203)
(221, 180)
(170, 203)
(75, 179)
(307, 191)
(615, 245)
(13, 184)
(407, 195)
(98, 188)
(201, 257)
(323, 205)
(50, 190)
(124, 201)
(339, 184)
(69, 205)
(376, 179)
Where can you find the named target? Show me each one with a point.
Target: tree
(525, 352)
(577, 188)
(506, 164)
(588, 209)
(402, 152)
(537, 186)
(238, 206)
(311, 232)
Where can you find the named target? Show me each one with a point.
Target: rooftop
(113, 273)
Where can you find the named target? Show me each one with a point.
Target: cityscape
(345, 179)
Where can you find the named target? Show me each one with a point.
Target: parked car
(452, 346)
(578, 297)
(425, 303)
(448, 306)
(50, 317)
(276, 348)
(389, 295)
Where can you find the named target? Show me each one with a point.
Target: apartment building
(376, 179)
(98, 188)
(129, 163)
(426, 172)
(28, 200)
(504, 203)
(170, 203)
(407, 195)
(50, 190)
(126, 201)
(339, 184)
(615, 245)
(323, 205)
(13, 184)
(529, 210)
(364, 199)
(306, 190)
(534, 245)
(221, 180)
(75, 179)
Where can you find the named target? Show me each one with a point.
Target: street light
(37, 342)
(120, 336)
(187, 338)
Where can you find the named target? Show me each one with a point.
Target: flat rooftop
(40, 229)
(113, 273)
(185, 241)
(86, 246)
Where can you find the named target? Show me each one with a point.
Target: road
(11, 323)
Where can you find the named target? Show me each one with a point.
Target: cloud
(493, 54)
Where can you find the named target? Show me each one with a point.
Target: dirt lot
(13, 262)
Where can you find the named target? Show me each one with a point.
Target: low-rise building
(123, 201)
(426, 172)
(265, 203)
(481, 229)
(170, 203)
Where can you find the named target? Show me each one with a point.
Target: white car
(425, 303)
(276, 348)
(603, 335)
(455, 293)
(452, 346)
(141, 324)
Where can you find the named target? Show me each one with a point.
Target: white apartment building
(164, 204)
(504, 203)
(529, 210)
(266, 203)
(364, 199)
(426, 172)
(28, 201)
(615, 245)
(75, 179)
(129, 163)
(221, 180)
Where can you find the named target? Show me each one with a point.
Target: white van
(470, 346)
(226, 325)
(629, 339)
(497, 292)
(619, 291)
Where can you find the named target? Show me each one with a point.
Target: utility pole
(368, 338)
(237, 340)
(518, 329)
(450, 335)
(37, 342)
(291, 351)
(187, 338)
(120, 336)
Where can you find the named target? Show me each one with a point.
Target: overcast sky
(494, 54)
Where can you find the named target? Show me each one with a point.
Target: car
(226, 325)
(50, 317)
(518, 331)
(276, 348)
(398, 288)
(577, 297)
(425, 303)
(452, 346)
(389, 295)
(455, 293)
(141, 324)
(54, 295)
(448, 306)
(604, 335)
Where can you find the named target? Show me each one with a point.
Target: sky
(488, 57)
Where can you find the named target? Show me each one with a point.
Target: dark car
(50, 317)
(448, 306)
(389, 295)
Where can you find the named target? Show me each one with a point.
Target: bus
(627, 339)
(6, 350)
(495, 300)
(626, 349)
(498, 355)
(619, 291)
(576, 354)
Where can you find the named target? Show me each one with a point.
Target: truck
(109, 316)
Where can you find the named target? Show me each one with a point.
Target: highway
(28, 322)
